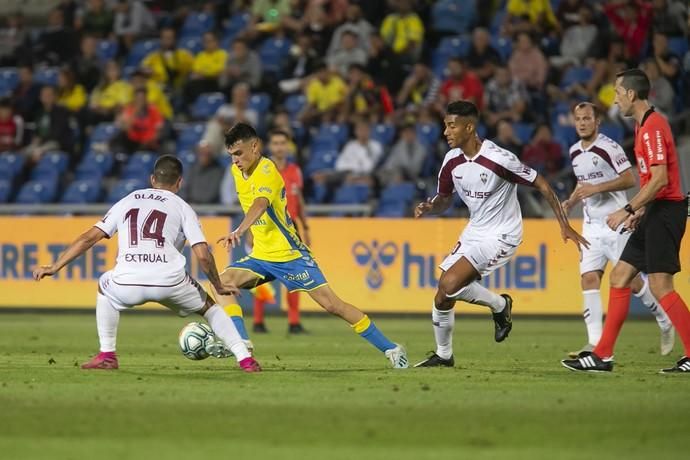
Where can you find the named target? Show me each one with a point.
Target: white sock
(107, 319)
(479, 295)
(592, 312)
(645, 295)
(443, 322)
(226, 331)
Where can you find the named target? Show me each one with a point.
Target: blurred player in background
(658, 215)
(603, 174)
(278, 252)
(485, 176)
(279, 148)
(153, 225)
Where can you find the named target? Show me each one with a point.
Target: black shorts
(654, 247)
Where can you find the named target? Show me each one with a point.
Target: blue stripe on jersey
(286, 233)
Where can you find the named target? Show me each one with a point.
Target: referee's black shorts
(654, 247)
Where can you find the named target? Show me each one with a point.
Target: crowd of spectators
(360, 86)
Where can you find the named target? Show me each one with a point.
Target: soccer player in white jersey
(486, 178)
(153, 225)
(603, 174)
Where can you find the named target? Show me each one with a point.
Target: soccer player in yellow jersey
(278, 251)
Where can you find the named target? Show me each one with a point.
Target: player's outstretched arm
(436, 205)
(567, 232)
(208, 266)
(82, 244)
(257, 209)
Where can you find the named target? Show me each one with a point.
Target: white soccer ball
(193, 340)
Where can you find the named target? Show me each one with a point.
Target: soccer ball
(194, 338)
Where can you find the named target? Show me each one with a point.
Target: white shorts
(486, 254)
(183, 298)
(605, 246)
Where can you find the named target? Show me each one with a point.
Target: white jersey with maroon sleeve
(603, 161)
(153, 225)
(487, 184)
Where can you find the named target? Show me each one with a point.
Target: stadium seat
(82, 191)
(139, 166)
(503, 46)
(384, 133)
(576, 75)
(321, 160)
(207, 104)
(11, 164)
(318, 194)
(107, 50)
(5, 190)
(428, 133)
(273, 52)
(95, 165)
(352, 194)
(260, 102)
(139, 51)
(191, 44)
(457, 46)
(564, 135)
(678, 46)
(51, 164)
(612, 130)
(189, 136)
(294, 104)
(236, 24)
(101, 136)
(196, 24)
(46, 76)
(338, 131)
(454, 16)
(124, 188)
(38, 191)
(523, 131)
(188, 158)
(9, 79)
(396, 200)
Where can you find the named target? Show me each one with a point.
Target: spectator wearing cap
(349, 53)
(207, 67)
(227, 115)
(202, 181)
(170, 66)
(325, 94)
(461, 84)
(53, 131)
(406, 159)
(243, 65)
(11, 127)
(140, 124)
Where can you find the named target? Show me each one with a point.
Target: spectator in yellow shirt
(154, 93)
(206, 69)
(538, 12)
(169, 65)
(71, 95)
(403, 31)
(325, 95)
(109, 95)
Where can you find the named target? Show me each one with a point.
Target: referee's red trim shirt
(654, 145)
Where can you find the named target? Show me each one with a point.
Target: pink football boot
(250, 365)
(103, 360)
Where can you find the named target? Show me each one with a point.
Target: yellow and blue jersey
(275, 235)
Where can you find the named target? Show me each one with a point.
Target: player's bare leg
(230, 338)
(641, 290)
(360, 322)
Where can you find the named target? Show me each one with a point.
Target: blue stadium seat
(396, 200)
(140, 50)
(191, 44)
(236, 24)
(523, 131)
(9, 79)
(564, 135)
(124, 188)
(321, 160)
(51, 164)
(82, 191)
(338, 131)
(352, 194)
(294, 104)
(188, 158)
(678, 46)
(101, 136)
(95, 165)
(260, 102)
(196, 24)
(273, 53)
(139, 166)
(46, 76)
(428, 133)
(384, 133)
(107, 50)
(612, 130)
(207, 104)
(455, 16)
(11, 163)
(503, 46)
(457, 46)
(189, 136)
(38, 191)
(318, 195)
(576, 75)
(5, 190)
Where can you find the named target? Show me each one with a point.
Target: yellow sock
(361, 325)
(233, 309)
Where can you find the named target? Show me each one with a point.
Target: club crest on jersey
(484, 177)
(595, 160)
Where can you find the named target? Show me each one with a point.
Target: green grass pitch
(329, 395)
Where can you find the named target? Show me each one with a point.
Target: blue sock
(369, 332)
(239, 324)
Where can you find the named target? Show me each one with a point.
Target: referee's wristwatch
(629, 209)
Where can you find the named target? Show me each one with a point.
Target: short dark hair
(595, 108)
(463, 109)
(636, 80)
(5, 103)
(167, 170)
(239, 132)
(279, 132)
